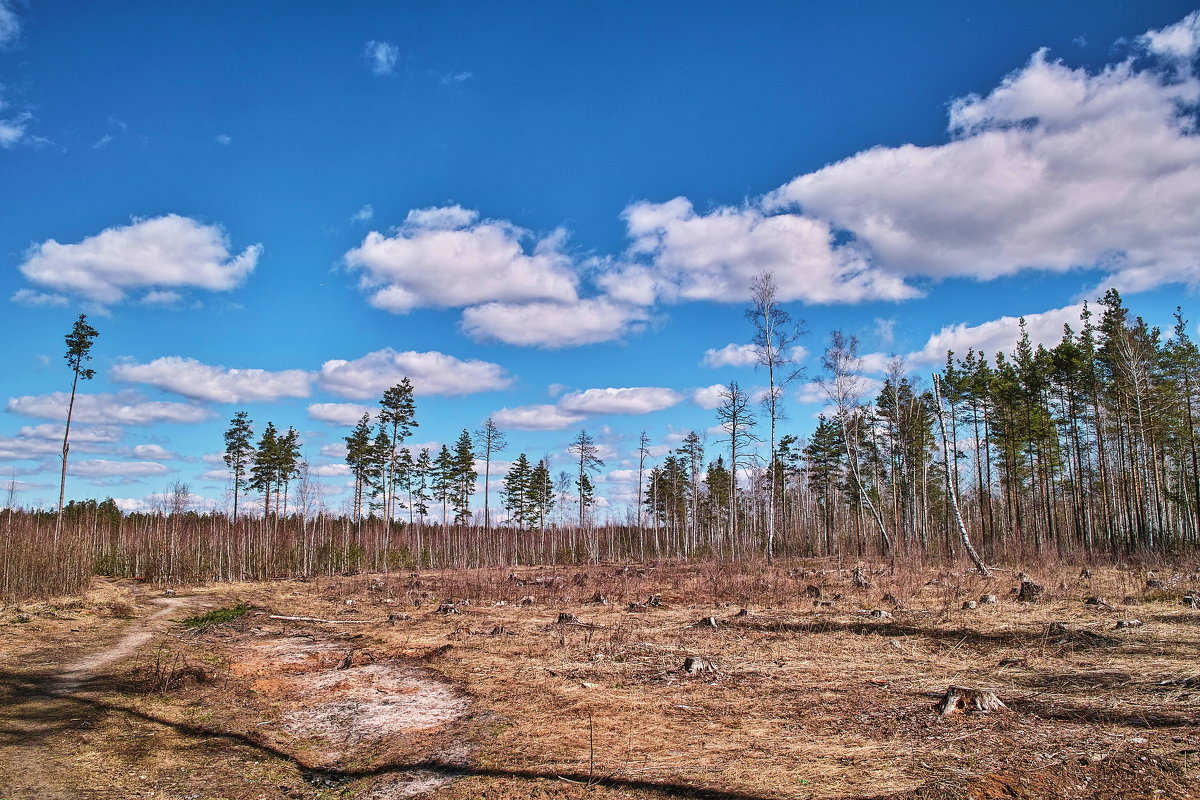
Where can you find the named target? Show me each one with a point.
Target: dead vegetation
(706, 681)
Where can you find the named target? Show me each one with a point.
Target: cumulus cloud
(1054, 169)
(199, 381)
(708, 396)
(364, 214)
(537, 418)
(381, 57)
(552, 324)
(575, 407)
(630, 400)
(715, 256)
(120, 408)
(446, 257)
(340, 413)
(330, 471)
(79, 433)
(99, 468)
(150, 254)
(431, 373)
(731, 355)
(153, 451)
(996, 335)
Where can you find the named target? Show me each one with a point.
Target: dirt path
(308, 708)
(140, 633)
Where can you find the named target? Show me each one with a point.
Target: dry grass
(804, 701)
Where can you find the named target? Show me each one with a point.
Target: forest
(1085, 450)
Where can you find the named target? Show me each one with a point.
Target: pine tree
(397, 418)
(489, 439)
(584, 448)
(79, 351)
(442, 481)
(541, 492)
(359, 458)
(422, 477)
(264, 468)
(464, 477)
(518, 488)
(238, 451)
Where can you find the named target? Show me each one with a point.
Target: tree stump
(654, 601)
(706, 622)
(745, 612)
(527, 600)
(1030, 592)
(1085, 573)
(860, 578)
(989, 598)
(1128, 623)
(1096, 601)
(447, 608)
(567, 618)
(969, 604)
(598, 599)
(879, 613)
(962, 698)
(813, 591)
(1191, 600)
(694, 665)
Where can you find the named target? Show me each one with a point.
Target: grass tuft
(218, 616)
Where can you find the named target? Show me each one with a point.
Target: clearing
(805, 682)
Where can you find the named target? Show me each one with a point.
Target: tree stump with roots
(963, 698)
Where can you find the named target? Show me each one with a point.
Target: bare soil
(829, 692)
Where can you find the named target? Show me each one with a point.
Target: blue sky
(527, 207)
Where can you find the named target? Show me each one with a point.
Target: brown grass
(804, 701)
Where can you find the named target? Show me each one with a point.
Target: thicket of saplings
(1084, 451)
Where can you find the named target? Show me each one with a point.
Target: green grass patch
(218, 616)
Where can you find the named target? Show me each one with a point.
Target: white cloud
(161, 297)
(551, 324)
(12, 126)
(154, 451)
(20, 448)
(537, 418)
(715, 256)
(381, 57)
(340, 413)
(334, 450)
(10, 24)
(445, 257)
(121, 408)
(431, 373)
(79, 433)
(1056, 168)
(868, 389)
(169, 251)
(630, 400)
(996, 335)
(99, 468)
(331, 471)
(731, 355)
(364, 214)
(223, 139)
(1179, 41)
(708, 396)
(457, 77)
(199, 381)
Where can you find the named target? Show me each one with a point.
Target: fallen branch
(318, 619)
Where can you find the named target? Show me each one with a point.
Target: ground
(465, 684)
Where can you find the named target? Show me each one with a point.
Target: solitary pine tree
(397, 417)
(358, 459)
(238, 451)
(584, 447)
(489, 439)
(79, 351)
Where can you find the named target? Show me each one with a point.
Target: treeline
(1087, 448)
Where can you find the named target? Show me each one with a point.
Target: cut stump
(963, 698)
